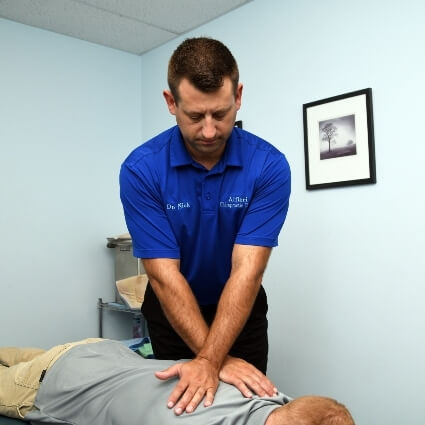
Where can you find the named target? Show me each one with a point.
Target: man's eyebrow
(200, 113)
(190, 113)
(223, 110)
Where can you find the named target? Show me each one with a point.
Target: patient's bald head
(311, 410)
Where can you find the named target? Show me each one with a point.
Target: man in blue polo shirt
(204, 203)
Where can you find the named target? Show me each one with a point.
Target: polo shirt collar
(233, 152)
(178, 153)
(179, 156)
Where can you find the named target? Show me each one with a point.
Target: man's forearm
(182, 310)
(199, 378)
(236, 301)
(232, 313)
(177, 301)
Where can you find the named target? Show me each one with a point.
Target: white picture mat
(353, 167)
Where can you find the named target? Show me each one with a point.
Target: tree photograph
(337, 137)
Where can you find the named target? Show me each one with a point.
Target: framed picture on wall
(339, 143)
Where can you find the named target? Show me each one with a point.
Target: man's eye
(195, 117)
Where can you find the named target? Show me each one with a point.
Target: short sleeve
(269, 206)
(144, 213)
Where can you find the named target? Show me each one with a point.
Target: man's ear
(169, 99)
(238, 97)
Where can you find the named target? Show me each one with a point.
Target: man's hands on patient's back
(199, 379)
(246, 378)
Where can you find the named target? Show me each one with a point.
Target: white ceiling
(134, 26)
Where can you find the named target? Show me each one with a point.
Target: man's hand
(246, 378)
(198, 379)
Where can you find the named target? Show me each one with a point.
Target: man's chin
(210, 146)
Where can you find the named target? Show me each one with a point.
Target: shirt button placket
(208, 195)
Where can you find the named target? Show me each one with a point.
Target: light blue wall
(69, 114)
(346, 285)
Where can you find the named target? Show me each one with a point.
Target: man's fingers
(191, 400)
(196, 399)
(261, 385)
(209, 399)
(184, 400)
(179, 390)
(168, 373)
(246, 378)
(198, 379)
(241, 386)
(256, 387)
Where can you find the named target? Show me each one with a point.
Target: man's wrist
(214, 363)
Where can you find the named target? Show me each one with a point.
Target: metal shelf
(114, 306)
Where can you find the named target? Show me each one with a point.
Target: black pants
(251, 344)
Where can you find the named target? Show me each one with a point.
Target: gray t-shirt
(106, 383)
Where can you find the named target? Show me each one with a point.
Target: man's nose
(208, 129)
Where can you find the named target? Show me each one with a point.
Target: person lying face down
(102, 382)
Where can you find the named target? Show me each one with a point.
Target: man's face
(205, 119)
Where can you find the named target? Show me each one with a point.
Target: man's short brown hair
(203, 61)
(312, 410)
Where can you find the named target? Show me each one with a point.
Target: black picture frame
(339, 143)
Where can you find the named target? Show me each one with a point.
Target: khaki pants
(20, 375)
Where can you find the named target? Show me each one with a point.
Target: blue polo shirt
(176, 208)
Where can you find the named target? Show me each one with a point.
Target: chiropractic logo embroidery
(178, 205)
(235, 202)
